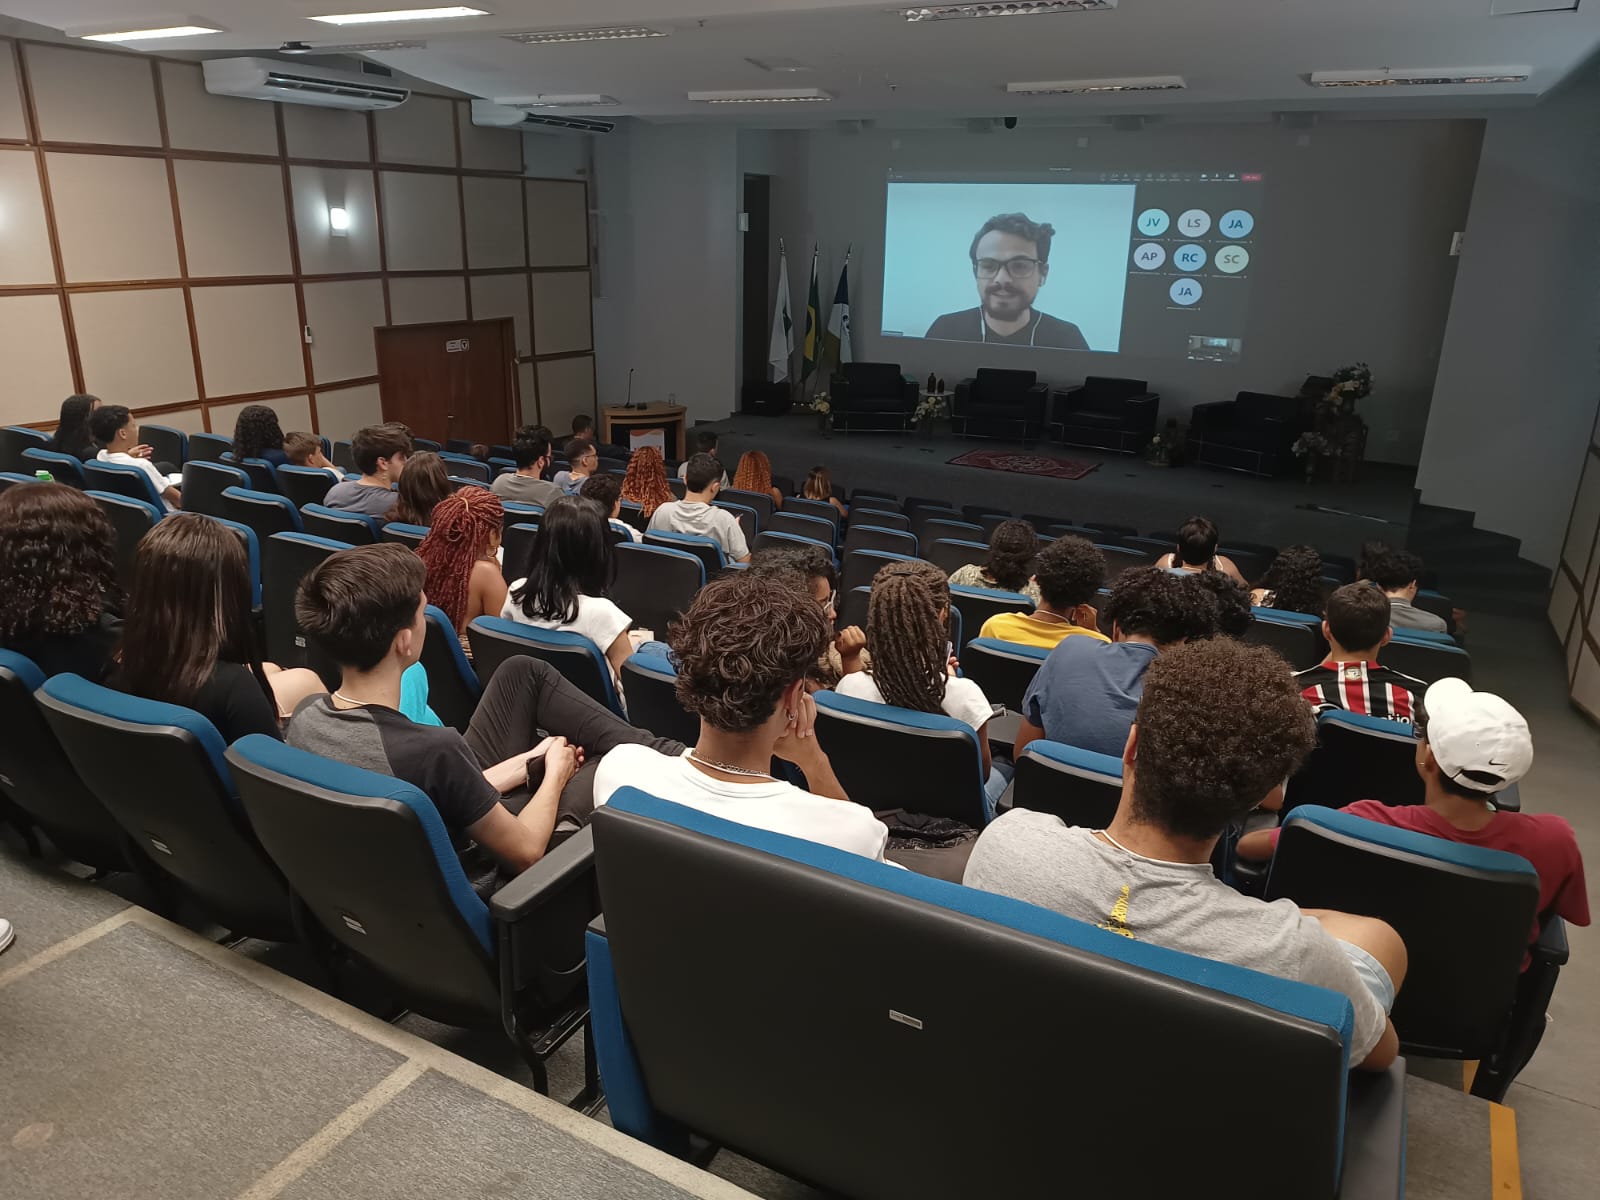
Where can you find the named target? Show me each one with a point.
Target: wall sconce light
(338, 222)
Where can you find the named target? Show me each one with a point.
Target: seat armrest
(541, 916)
(1143, 398)
(1551, 949)
(1375, 1134)
(963, 397)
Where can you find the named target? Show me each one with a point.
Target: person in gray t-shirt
(531, 451)
(1219, 726)
(697, 515)
(380, 453)
(1398, 572)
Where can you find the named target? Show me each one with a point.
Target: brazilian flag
(813, 342)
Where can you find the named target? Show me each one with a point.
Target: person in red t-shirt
(1470, 746)
(1357, 628)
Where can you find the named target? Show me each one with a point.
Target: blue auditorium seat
(453, 687)
(580, 661)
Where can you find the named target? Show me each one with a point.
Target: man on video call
(1011, 262)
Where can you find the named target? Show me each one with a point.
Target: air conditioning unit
(299, 83)
(502, 116)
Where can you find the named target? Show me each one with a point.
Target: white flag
(781, 348)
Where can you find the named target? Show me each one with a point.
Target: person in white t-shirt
(112, 427)
(743, 650)
(562, 585)
(908, 640)
(696, 514)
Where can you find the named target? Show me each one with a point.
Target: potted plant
(1311, 447)
(823, 408)
(930, 409)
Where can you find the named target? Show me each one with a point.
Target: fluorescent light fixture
(150, 35)
(1418, 76)
(400, 14)
(763, 96)
(338, 222)
(608, 33)
(574, 100)
(1022, 8)
(1089, 87)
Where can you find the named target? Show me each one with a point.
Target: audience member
(1293, 583)
(583, 426)
(645, 484)
(563, 583)
(1197, 551)
(1068, 572)
(114, 431)
(305, 450)
(908, 636)
(1219, 726)
(819, 486)
(1397, 573)
(1234, 615)
(1371, 552)
(583, 461)
(72, 434)
(531, 451)
(58, 559)
(380, 453)
(464, 577)
(743, 650)
(1086, 692)
(364, 608)
(256, 434)
(191, 574)
(1351, 678)
(812, 567)
(1009, 568)
(606, 491)
(705, 442)
(423, 485)
(1471, 746)
(697, 515)
(755, 475)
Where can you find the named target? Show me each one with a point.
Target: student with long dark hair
(191, 576)
(565, 579)
(257, 434)
(424, 484)
(72, 434)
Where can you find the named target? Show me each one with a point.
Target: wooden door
(450, 379)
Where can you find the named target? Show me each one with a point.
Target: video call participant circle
(1189, 258)
(1235, 223)
(1149, 255)
(1153, 222)
(1230, 260)
(1010, 263)
(1185, 291)
(1194, 223)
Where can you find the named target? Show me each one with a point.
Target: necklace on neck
(1052, 616)
(729, 768)
(349, 700)
(1106, 833)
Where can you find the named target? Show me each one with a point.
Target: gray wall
(1353, 259)
(1514, 402)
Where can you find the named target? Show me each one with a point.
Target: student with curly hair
(1293, 583)
(72, 434)
(754, 474)
(1397, 572)
(421, 489)
(1197, 551)
(743, 649)
(1234, 616)
(58, 559)
(645, 484)
(606, 491)
(256, 434)
(464, 576)
(1219, 726)
(908, 637)
(1068, 572)
(1086, 692)
(1009, 568)
(811, 568)
(819, 486)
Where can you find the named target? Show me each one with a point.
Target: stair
(1477, 568)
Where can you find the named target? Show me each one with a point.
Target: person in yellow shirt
(1069, 572)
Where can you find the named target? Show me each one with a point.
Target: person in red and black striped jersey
(1351, 678)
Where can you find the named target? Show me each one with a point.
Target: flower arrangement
(1311, 443)
(1350, 384)
(821, 406)
(930, 409)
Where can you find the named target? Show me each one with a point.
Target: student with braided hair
(464, 577)
(908, 638)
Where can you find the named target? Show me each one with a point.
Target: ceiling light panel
(1022, 8)
(1089, 87)
(763, 96)
(609, 33)
(1419, 76)
(150, 35)
(400, 14)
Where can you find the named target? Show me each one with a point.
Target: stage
(1123, 489)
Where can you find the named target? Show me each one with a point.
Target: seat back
(121, 479)
(873, 496)
(130, 521)
(761, 502)
(208, 447)
(1123, 558)
(874, 537)
(343, 455)
(520, 514)
(977, 605)
(815, 528)
(853, 607)
(464, 466)
(204, 481)
(994, 383)
(167, 445)
(516, 550)
(861, 565)
(252, 553)
(403, 535)
(63, 468)
(705, 549)
(1426, 658)
(453, 688)
(286, 559)
(1079, 786)
(772, 537)
(820, 509)
(651, 684)
(37, 777)
(747, 1059)
(863, 513)
(932, 530)
(654, 585)
(14, 439)
(749, 523)
(1464, 913)
(873, 378)
(923, 515)
(888, 757)
(580, 661)
(1300, 643)
(158, 768)
(304, 485)
(1357, 757)
(1004, 670)
(263, 476)
(265, 512)
(353, 529)
(12, 478)
(371, 859)
(951, 554)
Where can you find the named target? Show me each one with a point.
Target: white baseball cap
(1477, 732)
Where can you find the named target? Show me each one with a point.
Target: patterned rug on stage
(1023, 462)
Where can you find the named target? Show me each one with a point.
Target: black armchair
(1011, 400)
(1254, 433)
(872, 395)
(1111, 413)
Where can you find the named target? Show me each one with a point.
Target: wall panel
(13, 121)
(494, 223)
(566, 388)
(316, 191)
(135, 346)
(197, 120)
(342, 411)
(114, 216)
(421, 221)
(249, 338)
(33, 346)
(561, 319)
(91, 96)
(503, 296)
(217, 200)
(294, 412)
(422, 130)
(558, 223)
(326, 133)
(434, 298)
(342, 317)
(24, 236)
(487, 149)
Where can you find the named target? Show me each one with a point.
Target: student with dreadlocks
(464, 577)
(908, 638)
